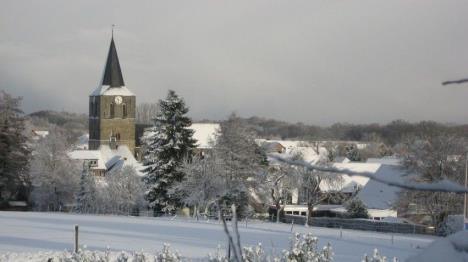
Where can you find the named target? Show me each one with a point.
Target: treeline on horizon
(391, 133)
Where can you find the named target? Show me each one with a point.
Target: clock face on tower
(118, 100)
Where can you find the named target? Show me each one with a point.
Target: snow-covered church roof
(112, 83)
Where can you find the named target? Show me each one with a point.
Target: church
(113, 140)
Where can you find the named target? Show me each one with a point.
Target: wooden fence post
(76, 238)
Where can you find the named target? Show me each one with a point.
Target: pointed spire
(113, 74)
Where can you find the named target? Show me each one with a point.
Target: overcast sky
(318, 62)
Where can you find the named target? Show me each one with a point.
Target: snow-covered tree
(14, 153)
(202, 184)
(356, 209)
(124, 190)
(280, 180)
(241, 156)
(311, 181)
(242, 162)
(87, 197)
(304, 247)
(377, 257)
(55, 177)
(432, 159)
(169, 142)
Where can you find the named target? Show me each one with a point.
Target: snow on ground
(33, 232)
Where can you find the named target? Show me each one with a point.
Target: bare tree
(146, 112)
(54, 176)
(202, 184)
(280, 181)
(434, 159)
(242, 161)
(124, 190)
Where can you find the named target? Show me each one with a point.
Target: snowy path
(31, 231)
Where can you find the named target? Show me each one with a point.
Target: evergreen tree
(166, 146)
(14, 153)
(357, 209)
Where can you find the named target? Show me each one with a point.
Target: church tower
(112, 108)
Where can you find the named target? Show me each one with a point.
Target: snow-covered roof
(117, 158)
(453, 248)
(109, 159)
(382, 196)
(85, 154)
(89, 155)
(303, 148)
(387, 160)
(103, 90)
(82, 142)
(350, 184)
(38, 134)
(335, 208)
(341, 159)
(42, 133)
(205, 134)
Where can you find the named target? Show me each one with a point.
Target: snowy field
(32, 232)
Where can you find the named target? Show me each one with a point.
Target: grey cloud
(312, 61)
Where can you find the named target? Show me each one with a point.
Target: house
(380, 198)
(39, 134)
(273, 147)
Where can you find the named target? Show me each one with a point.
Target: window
(95, 109)
(112, 110)
(124, 110)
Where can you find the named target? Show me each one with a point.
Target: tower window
(112, 110)
(124, 110)
(95, 109)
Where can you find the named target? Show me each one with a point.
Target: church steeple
(112, 73)
(112, 108)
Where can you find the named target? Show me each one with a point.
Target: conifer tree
(86, 197)
(357, 209)
(14, 152)
(166, 146)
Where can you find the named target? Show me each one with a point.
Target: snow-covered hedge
(304, 247)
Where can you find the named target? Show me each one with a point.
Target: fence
(359, 224)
